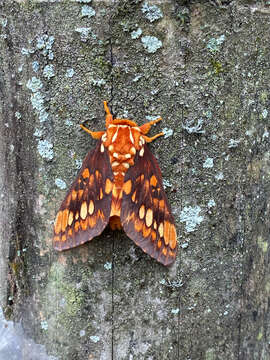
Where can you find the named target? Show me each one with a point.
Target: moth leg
(109, 117)
(94, 134)
(145, 128)
(150, 139)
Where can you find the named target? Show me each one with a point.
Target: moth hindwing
(120, 183)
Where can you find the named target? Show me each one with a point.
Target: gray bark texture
(204, 67)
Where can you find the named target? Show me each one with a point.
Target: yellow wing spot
(149, 217)
(70, 232)
(91, 180)
(154, 235)
(80, 194)
(84, 224)
(108, 186)
(74, 195)
(146, 231)
(133, 196)
(161, 204)
(127, 187)
(98, 175)
(155, 202)
(70, 218)
(91, 207)
(155, 225)
(167, 231)
(142, 212)
(140, 178)
(58, 223)
(161, 230)
(159, 243)
(77, 226)
(92, 221)
(63, 238)
(100, 194)
(85, 173)
(65, 220)
(77, 215)
(83, 211)
(153, 181)
(138, 225)
(146, 186)
(164, 251)
(100, 214)
(173, 237)
(115, 191)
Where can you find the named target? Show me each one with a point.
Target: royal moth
(119, 184)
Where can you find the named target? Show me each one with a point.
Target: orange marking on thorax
(121, 140)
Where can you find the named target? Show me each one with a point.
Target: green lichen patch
(217, 66)
(263, 245)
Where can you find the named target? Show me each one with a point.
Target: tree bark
(203, 67)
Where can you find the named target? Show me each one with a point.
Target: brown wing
(145, 212)
(85, 211)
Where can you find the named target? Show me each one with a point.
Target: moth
(119, 184)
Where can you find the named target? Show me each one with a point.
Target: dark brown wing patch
(85, 211)
(145, 213)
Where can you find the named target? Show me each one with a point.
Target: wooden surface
(206, 72)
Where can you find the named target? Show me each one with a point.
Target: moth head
(122, 122)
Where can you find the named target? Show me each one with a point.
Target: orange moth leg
(150, 139)
(109, 117)
(145, 128)
(94, 134)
